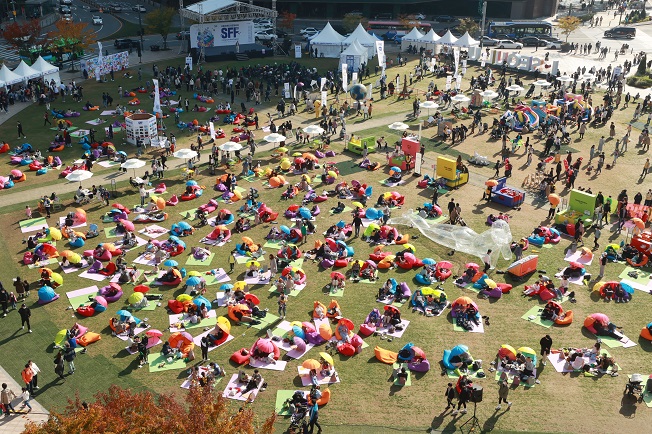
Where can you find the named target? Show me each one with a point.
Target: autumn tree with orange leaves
(71, 38)
(23, 36)
(204, 411)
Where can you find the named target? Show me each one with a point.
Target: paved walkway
(16, 423)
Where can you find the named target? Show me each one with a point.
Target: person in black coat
(25, 313)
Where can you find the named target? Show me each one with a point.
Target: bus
(518, 29)
(388, 30)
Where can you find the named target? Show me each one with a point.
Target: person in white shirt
(487, 260)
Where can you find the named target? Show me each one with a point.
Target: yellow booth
(356, 144)
(447, 169)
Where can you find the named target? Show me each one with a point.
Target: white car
(139, 8)
(267, 35)
(97, 20)
(489, 42)
(419, 17)
(309, 30)
(506, 43)
(554, 45)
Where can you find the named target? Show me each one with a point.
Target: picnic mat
(145, 259)
(397, 333)
(107, 163)
(641, 287)
(233, 388)
(151, 343)
(282, 396)
(153, 231)
(344, 211)
(79, 133)
(159, 364)
(338, 292)
(577, 257)
(197, 340)
(278, 365)
(475, 329)
(72, 268)
(509, 376)
(293, 293)
(265, 322)
(62, 223)
(642, 279)
(390, 300)
(408, 380)
(182, 317)
(559, 362)
(96, 122)
(261, 279)
(219, 276)
(137, 331)
(151, 305)
(39, 264)
(367, 281)
(139, 274)
(97, 277)
(274, 244)
(107, 113)
(111, 233)
(612, 342)
(33, 225)
(304, 374)
(192, 261)
(202, 369)
(82, 296)
(189, 215)
(536, 312)
(242, 259)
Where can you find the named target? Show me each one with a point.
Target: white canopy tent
(328, 42)
(466, 41)
(447, 39)
(409, 39)
(26, 71)
(429, 40)
(354, 55)
(365, 39)
(9, 77)
(47, 70)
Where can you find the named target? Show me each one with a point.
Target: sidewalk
(16, 423)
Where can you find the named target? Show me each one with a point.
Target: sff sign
(231, 32)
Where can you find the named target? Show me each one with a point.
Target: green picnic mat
(30, 223)
(345, 210)
(154, 364)
(408, 380)
(642, 279)
(547, 246)
(274, 244)
(534, 310)
(367, 281)
(250, 178)
(211, 280)
(152, 305)
(189, 215)
(110, 233)
(70, 129)
(338, 293)
(39, 264)
(297, 263)
(244, 259)
(206, 322)
(293, 293)
(75, 302)
(647, 398)
(611, 342)
(432, 221)
(281, 397)
(510, 380)
(397, 304)
(196, 262)
(107, 219)
(454, 374)
(265, 322)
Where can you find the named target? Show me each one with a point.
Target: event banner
(221, 34)
(157, 98)
(211, 128)
(380, 51)
(322, 83)
(354, 78)
(286, 90)
(324, 98)
(99, 56)
(105, 64)
(345, 78)
(456, 56)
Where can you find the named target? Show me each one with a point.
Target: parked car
(184, 34)
(489, 42)
(65, 2)
(354, 14)
(554, 45)
(67, 17)
(621, 32)
(115, 8)
(310, 34)
(126, 43)
(64, 10)
(97, 20)
(506, 43)
(445, 19)
(384, 16)
(532, 41)
(311, 30)
(282, 34)
(419, 16)
(266, 35)
(139, 8)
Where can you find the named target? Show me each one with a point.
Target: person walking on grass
(462, 399)
(204, 349)
(35, 371)
(546, 346)
(232, 261)
(69, 356)
(503, 392)
(25, 313)
(59, 365)
(282, 305)
(596, 235)
(19, 127)
(450, 395)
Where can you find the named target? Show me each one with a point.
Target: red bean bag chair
(385, 356)
(645, 334)
(88, 339)
(173, 201)
(86, 310)
(546, 294)
(176, 306)
(643, 259)
(222, 111)
(109, 270)
(504, 287)
(320, 199)
(346, 349)
(4, 148)
(174, 282)
(241, 356)
(342, 262)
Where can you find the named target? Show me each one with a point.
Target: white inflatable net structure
(462, 238)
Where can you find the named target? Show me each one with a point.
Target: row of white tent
(421, 40)
(329, 43)
(24, 72)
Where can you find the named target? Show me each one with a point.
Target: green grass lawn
(545, 408)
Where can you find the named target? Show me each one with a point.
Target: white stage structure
(141, 126)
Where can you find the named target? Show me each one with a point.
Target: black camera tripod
(473, 423)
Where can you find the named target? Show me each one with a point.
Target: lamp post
(140, 24)
(483, 12)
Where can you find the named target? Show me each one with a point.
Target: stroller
(634, 387)
(298, 419)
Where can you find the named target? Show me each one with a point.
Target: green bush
(585, 18)
(640, 81)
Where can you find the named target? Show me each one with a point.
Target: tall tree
(159, 21)
(23, 36)
(71, 38)
(568, 25)
(350, 22)
(122, 410)
(287, 20)
(468, 25)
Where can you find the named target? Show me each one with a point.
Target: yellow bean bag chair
(386, 356)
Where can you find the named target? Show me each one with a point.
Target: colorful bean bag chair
(373, 321)
(47, 295)
(88, 339)
(385, 356)
(241, 356)
(646, 332)
(566, 320)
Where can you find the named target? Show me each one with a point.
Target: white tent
(26, 71)
(447, 39)
(328, 42)
(47, 70)
(354, 55)
(429, 40)
(409, 39)
(466, 41)
(365, 39)
(9, 77)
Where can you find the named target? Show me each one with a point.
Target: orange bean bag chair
(314, 310)
(645, 334)
(568, 318)
(333, 305)
(404, 239)
(642, 261)
(237, 308)
(386, 356)
(185, 346)
(325, 397)
(325, 331)
(88, 339)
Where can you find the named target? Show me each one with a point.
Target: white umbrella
(79, 176)
(133, 163)
(542, 83)
(564, 79)
(588, 76)
(313, 129)
(274, 138)
(460, 98)
(515, 88)
(489, 94)
(185, 154)
(429, 105)
(230, 146)
(398, 126)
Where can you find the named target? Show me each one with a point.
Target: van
(621, 32)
